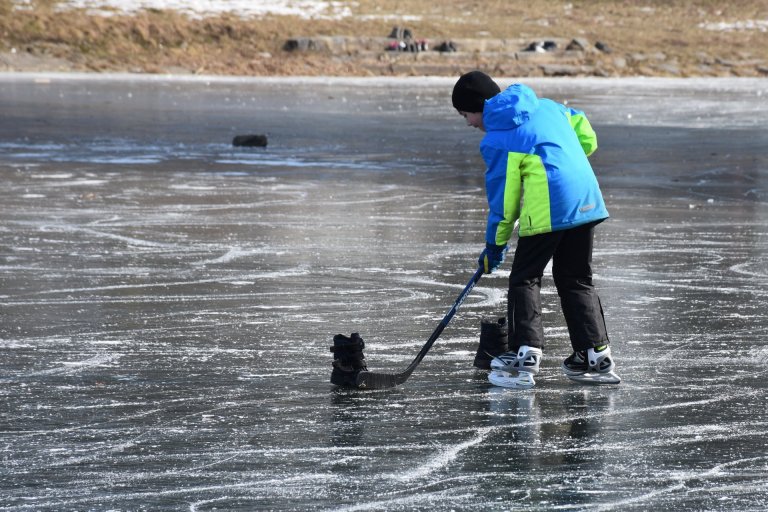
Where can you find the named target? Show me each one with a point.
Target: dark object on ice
(373, 380)
(348, 359)
(251, 141)
(493, 341)
(446, 46)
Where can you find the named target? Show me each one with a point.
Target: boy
(535, 151)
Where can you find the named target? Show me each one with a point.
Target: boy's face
(474, 119)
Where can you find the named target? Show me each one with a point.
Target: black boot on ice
(493, 341)
(348, 359)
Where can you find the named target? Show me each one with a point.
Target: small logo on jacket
(586, 208)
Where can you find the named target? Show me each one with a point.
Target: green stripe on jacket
(584, 131)
(535, 214)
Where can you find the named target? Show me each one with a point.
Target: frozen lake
(168, 301)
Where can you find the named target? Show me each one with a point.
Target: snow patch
(723, 26)
(203, 8)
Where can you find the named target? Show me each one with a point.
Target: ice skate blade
(522, 380)
(596, 378)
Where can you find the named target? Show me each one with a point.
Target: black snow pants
(571, 254)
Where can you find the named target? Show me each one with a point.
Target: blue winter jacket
(536, 153)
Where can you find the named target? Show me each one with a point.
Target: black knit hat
(471, 91)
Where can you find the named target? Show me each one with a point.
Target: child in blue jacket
(538, 175)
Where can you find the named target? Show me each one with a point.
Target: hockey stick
(373, 380)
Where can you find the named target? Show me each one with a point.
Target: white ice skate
(516, 380)
(595, 366)
(516, 369)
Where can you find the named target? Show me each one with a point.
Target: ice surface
(168, 301)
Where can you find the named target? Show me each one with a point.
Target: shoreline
(704, 82)
(504, 38)
(382, 63)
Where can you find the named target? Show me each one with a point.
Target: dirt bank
(512, 37)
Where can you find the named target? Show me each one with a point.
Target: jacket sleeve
(503, 189)
(585, 133)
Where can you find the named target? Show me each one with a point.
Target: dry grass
(653, 37)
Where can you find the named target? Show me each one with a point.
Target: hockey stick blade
(374, 380)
